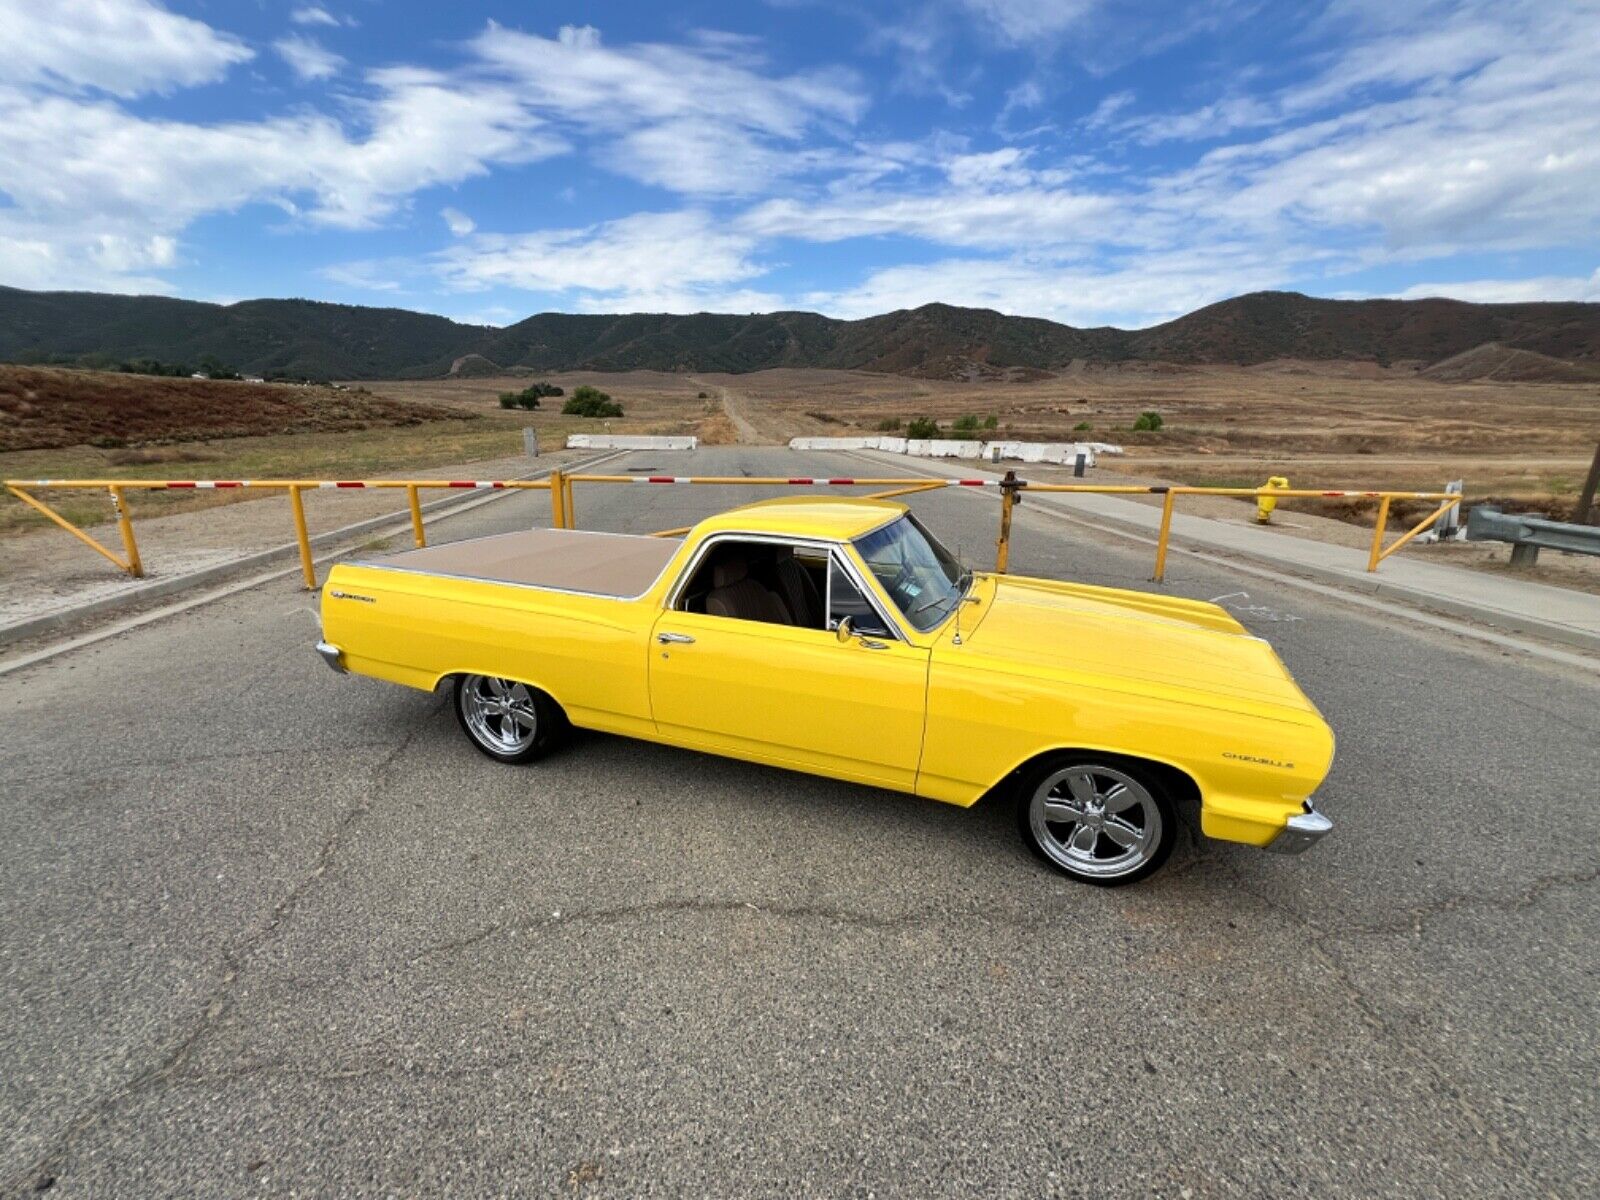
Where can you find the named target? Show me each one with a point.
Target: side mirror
(842, 630)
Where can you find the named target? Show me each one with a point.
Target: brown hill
(936, 340)
(45, 407)
(1494, 361)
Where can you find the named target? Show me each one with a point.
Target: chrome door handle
(869, 644)
(668, 639)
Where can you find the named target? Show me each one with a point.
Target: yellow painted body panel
(1040, 666)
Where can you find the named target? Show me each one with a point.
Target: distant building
(254, 379)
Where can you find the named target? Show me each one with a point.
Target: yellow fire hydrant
(1265, 504)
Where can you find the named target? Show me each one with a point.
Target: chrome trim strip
(333, 656)
(1303, 831)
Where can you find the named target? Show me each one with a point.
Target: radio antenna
(961, 602)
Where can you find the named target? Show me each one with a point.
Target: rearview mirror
(842, 630)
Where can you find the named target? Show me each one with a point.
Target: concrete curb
(1364, 584)
(156, 590)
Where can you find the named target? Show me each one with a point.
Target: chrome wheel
(499, 713)
(1095, 821)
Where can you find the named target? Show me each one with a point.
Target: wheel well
(1180, 786)
(449, 678)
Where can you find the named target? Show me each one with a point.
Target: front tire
(511, 722)
(1096, 818)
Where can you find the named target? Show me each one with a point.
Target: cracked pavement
(269, 931)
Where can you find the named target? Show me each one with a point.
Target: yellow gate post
(571, 508)
(42, 507)
(1374, 558)
(1166, 531)
(125, 527)
(1008, 500)
(558, 509)
(416, 514)
(303, 537)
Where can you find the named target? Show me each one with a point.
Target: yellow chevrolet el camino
(839, 637)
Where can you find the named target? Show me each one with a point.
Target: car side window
(846, 600)
(765, 581)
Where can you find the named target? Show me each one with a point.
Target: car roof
(833, 519)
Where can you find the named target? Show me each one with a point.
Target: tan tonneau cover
(574, 560)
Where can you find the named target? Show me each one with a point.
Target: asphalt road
(265, 930)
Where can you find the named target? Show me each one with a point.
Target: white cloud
(1022, 22)
(662, 262)
(311, 15)
(365, 275)
(700, 120)
(460, 224)
(307, 57)
(1511, 291)
(125, 47)
(78, 171)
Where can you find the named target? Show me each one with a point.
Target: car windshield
(924, 579)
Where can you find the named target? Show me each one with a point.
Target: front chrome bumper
(332, 655)
(1303, 831)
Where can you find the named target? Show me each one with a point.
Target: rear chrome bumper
(1303, 831)
(332, 655)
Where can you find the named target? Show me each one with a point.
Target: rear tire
(510, 722)
(1097, 818)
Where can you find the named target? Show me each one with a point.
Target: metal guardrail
(563, 509)
(1529, 533)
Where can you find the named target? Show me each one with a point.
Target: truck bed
(569, 560)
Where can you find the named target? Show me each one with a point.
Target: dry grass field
(1321, 424)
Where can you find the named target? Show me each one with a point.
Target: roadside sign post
(530, 442)
(1580, 515)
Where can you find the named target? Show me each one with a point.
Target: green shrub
(889, 425)
(965, 424)
(923, 427)
(529, 396)
(590, 401)
(1081, 426)
(1148, 422)
(703, 396)
(991, 422)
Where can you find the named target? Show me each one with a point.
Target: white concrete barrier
(1065, 453)
(609, 441)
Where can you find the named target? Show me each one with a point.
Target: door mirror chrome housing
(842, 630)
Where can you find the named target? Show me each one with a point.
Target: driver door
(794, 697)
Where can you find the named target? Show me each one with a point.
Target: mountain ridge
(325, 340)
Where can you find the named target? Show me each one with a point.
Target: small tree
(889, 425)
(965, 424)
(1148, 422)
(922, 428)
(991, 422)
(587, 401)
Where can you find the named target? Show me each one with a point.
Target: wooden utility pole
(1586, 499)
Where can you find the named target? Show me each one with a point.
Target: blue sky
(1092, 161)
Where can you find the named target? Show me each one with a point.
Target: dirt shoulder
(48, 571)
(1299, 519)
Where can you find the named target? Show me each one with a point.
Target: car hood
(1135, 639)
